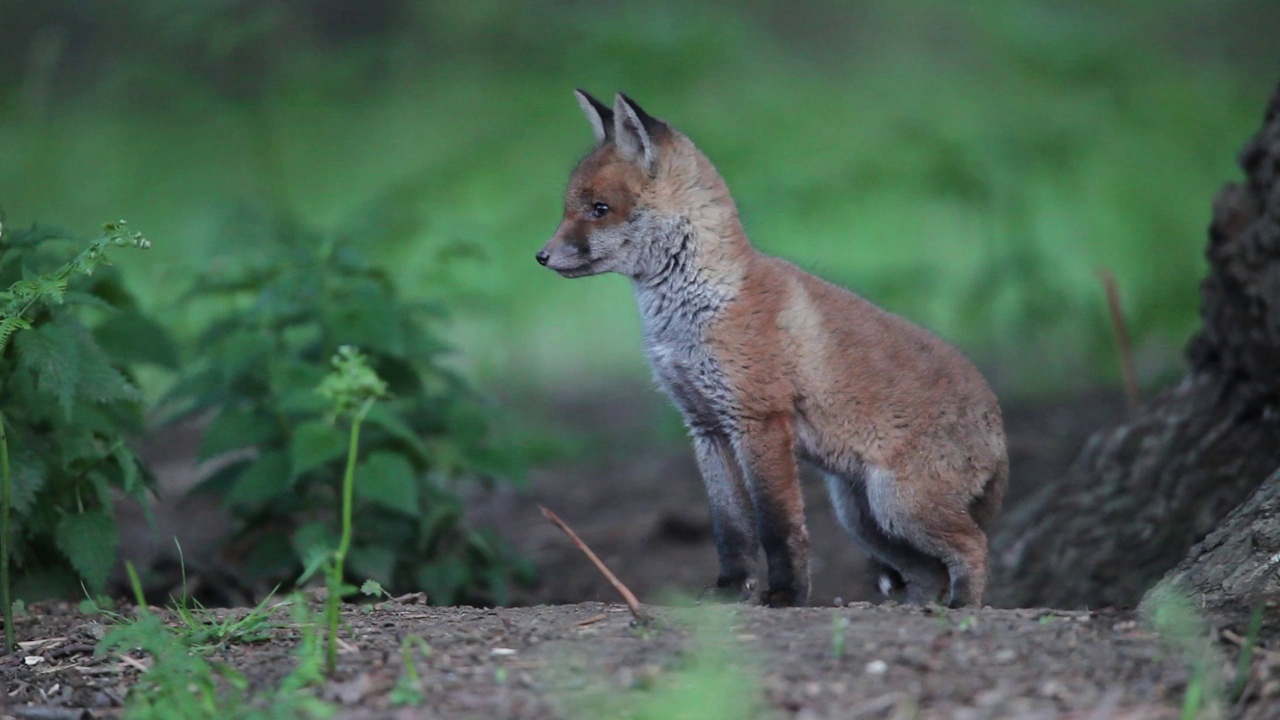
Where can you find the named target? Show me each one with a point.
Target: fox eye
(598, 210)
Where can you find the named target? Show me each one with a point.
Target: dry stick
(632, 603)
(1121, 330)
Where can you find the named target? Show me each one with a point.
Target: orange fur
(774, 363)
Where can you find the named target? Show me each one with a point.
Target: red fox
(769, 364)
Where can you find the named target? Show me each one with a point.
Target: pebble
(1053, 689)
(877, 667)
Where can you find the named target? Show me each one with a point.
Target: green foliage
(182, 683)
(974, 185)
(710, 683)
(201, 630)
(1187, 635)
(71, 336)
(7, 608)
(277, 317)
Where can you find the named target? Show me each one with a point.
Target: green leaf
(385, 418)
(243, 353)
(265, 480)
(365, 317)
(315, 443)
(131, 478)
(294, 383)
(235, 428)
(99, 379)
(133, 337)
(101, 485)
(372, 588)
(9, 326)
(52, 353)
(53, 288)
(78, 446)
(387, 479)
(27, 475)
(314, 542)
(89, 541)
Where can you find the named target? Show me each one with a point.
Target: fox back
(769, 364)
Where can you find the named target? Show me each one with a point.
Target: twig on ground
(632, 603)
(591, 620)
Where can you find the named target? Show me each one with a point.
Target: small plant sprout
(374, 589)
(1186, 634)
(408, 687)
(351, 388)
(1246, 653)
(838, 626)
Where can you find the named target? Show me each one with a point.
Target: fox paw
(725, 590)
(783, 598)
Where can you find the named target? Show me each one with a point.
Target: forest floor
(568, 652)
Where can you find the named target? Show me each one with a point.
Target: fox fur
(770, 365)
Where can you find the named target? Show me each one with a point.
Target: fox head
(627, 205)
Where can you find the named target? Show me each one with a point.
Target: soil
(589, 660)
(564, 653)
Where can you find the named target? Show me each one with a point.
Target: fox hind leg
(897, 565)
(937, 526)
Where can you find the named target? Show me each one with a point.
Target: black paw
(961, 593)
(784, 597)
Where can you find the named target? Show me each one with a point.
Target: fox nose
(542, 257)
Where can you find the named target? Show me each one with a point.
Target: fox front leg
(766, 450)
(733, 518)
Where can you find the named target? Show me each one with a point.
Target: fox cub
(769, 364)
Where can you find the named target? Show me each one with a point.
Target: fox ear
(633, 131)
(598, 113)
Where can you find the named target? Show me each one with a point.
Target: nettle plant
(70, 335)
(279, 318)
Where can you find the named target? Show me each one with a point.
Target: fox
(771, 366)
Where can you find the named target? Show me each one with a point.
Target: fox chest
(696, 383)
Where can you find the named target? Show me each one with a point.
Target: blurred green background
(970, 166)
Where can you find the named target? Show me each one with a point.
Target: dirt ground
(566, 654)
(589, 660)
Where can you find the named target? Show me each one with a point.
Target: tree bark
(1142, 494)
(1237, 567)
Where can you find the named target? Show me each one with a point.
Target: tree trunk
(1236, 568)
(1142, 494)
